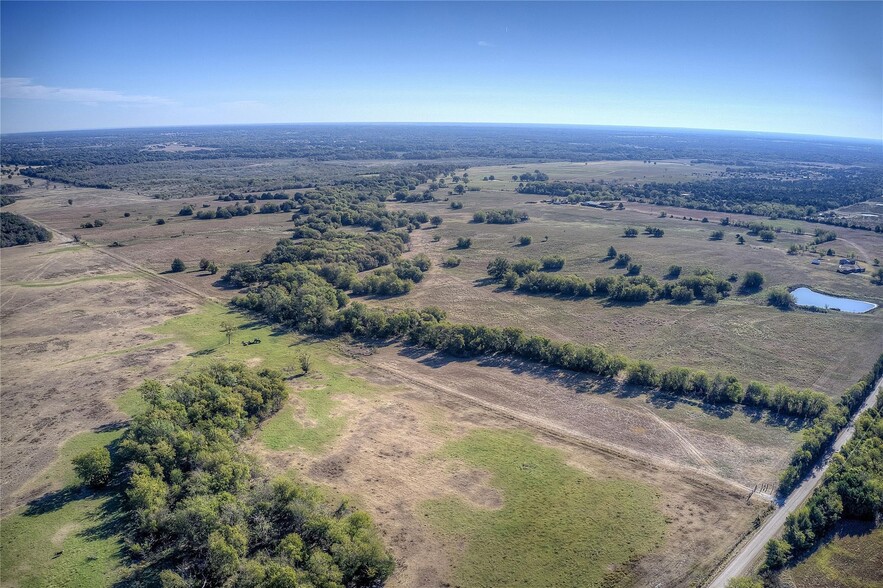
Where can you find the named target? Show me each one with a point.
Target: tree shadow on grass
(583, 383)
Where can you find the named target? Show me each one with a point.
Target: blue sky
(811, 68)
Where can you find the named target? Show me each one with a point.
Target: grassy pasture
(740, 335)
(673, 170)
(847, 561)
(556, 526)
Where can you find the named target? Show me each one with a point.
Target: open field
(69, 348)
(393, 450)
(740, 335)
(853, 559)
(673, 170)
(575, 480)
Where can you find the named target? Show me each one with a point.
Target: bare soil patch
(68, 351)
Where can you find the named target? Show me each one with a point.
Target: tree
(767, 236)
(435, 221)
(740, 240)
(525, 240)
(464, 243)
(178, 265)
(228, 329)
(498, 268)
(203, 264)
(716, 236)
(611, 252)
(778, 552)
(212, 268)
(877, 276)
(93, 467)
(459, 189)
(70, 202)
(674, 272)
(630, 232)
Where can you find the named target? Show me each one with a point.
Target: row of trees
(817, 438)
(201, 511)
(499, 217)
(523, 275)
(851, 490)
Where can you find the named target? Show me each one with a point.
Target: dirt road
(744, 562)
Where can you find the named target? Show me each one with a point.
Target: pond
(806, 297)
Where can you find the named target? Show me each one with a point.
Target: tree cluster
(205, 516)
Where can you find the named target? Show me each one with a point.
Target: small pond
(806, 297)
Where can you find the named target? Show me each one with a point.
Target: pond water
(806, 297)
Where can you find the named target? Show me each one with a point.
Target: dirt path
(859, 248)
(560, 432)
(745, 560)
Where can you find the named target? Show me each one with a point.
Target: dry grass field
(419, 439)
(740, 335)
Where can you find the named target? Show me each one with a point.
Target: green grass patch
(71, 249)
(71, 544)
(98, 278)
(312, 425)
(557, 526)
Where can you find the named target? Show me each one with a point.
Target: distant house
(847, 262)
(816, 261)
(850, 269)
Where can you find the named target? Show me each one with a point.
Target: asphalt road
(743, 563)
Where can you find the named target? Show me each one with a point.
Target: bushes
(451, 262)
(178, 265)
(782, 299)
(499, 217)
(464, 242)
(752, 281)
(630, 232)
(552, 263)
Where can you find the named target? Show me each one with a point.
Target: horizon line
(454, 123)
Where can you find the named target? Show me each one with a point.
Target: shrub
(716, 236)
(622, 260)
(630, 232)
(781, 298)
(525, 240)
(673, 273)
(464, 242)
(178, 265)
(436, 221)
(552, 263)
(752, 281)
(452, 262)
(634, 269)
(160, 221)
(682, 295)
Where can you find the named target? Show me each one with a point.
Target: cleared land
(741, 335)
(417, 439)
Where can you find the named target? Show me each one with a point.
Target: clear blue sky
(813, 68)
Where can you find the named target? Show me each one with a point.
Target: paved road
(743, 563)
